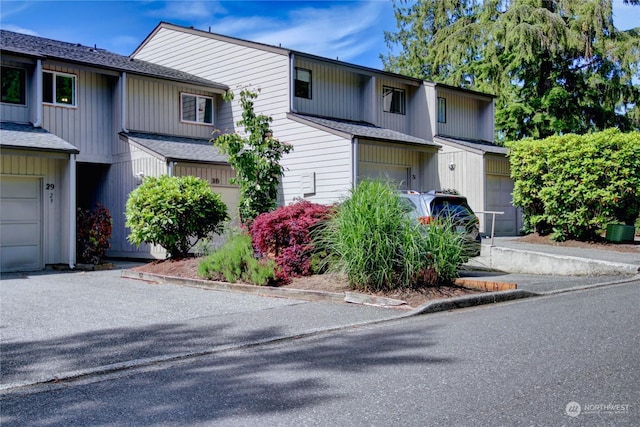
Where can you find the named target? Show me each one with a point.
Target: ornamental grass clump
(235, 261)
(372, 241)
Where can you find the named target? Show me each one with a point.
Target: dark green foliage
(556, 66)
(236, 261)
(573, 186)
(93, 231)
(174, 212)
(255, 159)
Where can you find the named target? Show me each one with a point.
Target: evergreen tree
(557, 66)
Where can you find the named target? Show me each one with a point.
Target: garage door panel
(20, 224)
(20, 210)
(19, 188)
(20, 258)
(499, 199)
(17, 234)
(397, 174)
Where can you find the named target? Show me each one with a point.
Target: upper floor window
(393, 100)
(303, 83)
(59, 88)
(13, 85)
(442, 110)
(196, 108)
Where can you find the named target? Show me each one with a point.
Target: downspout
(72, 211)
(171, 165)
(123, 102)
(354, 166)
(38, 122)
(292, 83)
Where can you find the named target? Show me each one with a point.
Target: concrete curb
(471, 301)
(528, 262)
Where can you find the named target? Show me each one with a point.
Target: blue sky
(352, 31)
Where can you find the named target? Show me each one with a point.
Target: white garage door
(397, 174)
(499, 189)
(20, 224)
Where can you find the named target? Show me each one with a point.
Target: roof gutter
(354, 166)
(292, 82)
(72, 211)
(123, 102)
(38, 122)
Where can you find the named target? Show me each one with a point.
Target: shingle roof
(363, 130)
(482, 146)
(46, 48)
(176, 148)
(25, 136)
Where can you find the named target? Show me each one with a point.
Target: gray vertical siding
(154, 106)
(468, 116)
(55, 202)
(336, 92)
(236, 65)
(89, 125)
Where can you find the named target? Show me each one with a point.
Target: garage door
(397, 174)
(499, 189)
(20, 224)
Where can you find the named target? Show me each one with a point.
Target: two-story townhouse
(80, 125)
(348, 122)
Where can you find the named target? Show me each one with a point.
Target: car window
(449, 207)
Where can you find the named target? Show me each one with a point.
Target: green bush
(235, 261)
(174, 212)
(372, 241)
(573, 186)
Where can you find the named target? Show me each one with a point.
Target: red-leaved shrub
(285, 235)
(93, 231)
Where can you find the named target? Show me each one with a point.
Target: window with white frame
(59, 88)
(303, 83)
(393, 100)
(13, 85)
(196, 108)
(442, 110)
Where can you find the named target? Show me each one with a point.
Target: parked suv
(433, 205)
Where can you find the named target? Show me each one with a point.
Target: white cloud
(21, 30)
(343, 31)
(188, 10)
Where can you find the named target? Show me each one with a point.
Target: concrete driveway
(66, 324)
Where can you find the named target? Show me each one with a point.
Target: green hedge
(572, 186)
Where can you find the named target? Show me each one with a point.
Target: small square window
(393, 100)
(196, 109)
(59, 88)
(442, 110)
(13, 85)
(303, 83)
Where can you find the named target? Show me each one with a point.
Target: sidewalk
(512, 256)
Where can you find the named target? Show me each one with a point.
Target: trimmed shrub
(377, 246)
(285, 235)
(235, 261)
(174, 212)
(573, 186)
(93, 231)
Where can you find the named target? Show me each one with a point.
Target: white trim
(38, 122)
(72, 211)
(123, 102)
(198, 97)
(53, 88)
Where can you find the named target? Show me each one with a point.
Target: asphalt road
(565, 359)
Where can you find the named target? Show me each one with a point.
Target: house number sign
(49, 187)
